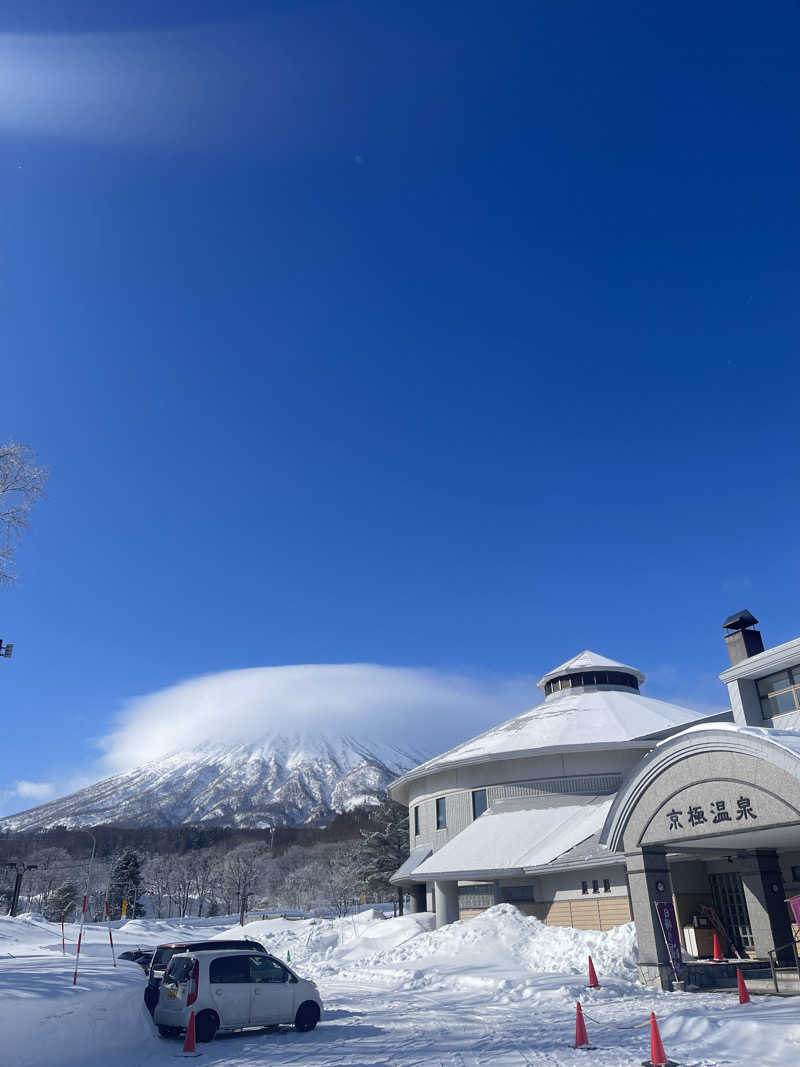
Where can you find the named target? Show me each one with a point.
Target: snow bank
(44, 1019)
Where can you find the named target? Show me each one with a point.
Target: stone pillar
(418, 898)
(762, 882)
(446, 902)
(649, 881)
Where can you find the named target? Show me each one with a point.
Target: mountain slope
(277, 781)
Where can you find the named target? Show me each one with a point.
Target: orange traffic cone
(581, 1038)
(658, 1057)
(593, 983)
(744, 996)
(717, 949)
(189, 1046)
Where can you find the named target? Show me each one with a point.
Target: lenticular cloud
(431, 708)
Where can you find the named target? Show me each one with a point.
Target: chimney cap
(740, 620)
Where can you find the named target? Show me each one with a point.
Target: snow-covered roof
(569, 721)
(517, 835)
(590, 661)
(405, 870)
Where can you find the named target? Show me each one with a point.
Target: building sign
(711, 813)
(710, 808)
(669, 927)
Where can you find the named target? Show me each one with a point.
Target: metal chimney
(742, 641)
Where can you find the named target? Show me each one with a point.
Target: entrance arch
(727, 798)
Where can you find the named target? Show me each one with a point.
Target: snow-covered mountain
(279, 780)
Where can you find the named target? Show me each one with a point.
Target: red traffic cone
(593, 983)
(717, 949)
(658, 1057)
(581, 1038)
(744, 996)
(189, 1046)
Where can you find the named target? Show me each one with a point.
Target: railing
(772, 955)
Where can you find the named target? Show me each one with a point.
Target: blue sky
(435, 336)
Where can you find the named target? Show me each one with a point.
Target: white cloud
(427, 709)
(38, 791)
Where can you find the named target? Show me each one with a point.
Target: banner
(794, 904)
(669, 927)
(124, 908)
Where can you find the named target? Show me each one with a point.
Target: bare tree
(21, 483)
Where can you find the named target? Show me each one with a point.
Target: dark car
(164, 953)
(142, 956)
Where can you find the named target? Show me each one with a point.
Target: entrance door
(731, 906)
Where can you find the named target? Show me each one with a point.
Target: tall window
(479, 804)
(416, 821)
(441, 813)
(780, 692)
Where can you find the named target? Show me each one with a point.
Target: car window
(229, 969)
(265, 969)
(162, 956)
(180, 969)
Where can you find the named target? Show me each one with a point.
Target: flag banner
(794, 904)
(669, 926)
(124, 908)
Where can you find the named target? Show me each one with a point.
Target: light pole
(83, 904)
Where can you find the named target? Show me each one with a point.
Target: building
(515, 814)
(602, 804)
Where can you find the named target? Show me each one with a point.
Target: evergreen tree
(385, 847)
(61, 902)
(125, 884)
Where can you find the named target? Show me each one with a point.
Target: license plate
(172, 993)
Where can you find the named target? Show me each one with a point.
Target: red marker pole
(80, 938)
(63, 943)
(110, 938)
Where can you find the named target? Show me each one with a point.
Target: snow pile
(500, 932)
(311, 940)
(47, 1020)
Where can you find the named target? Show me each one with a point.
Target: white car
(231, 989)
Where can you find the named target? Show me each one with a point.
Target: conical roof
(590, 661)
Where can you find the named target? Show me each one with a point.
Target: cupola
(591, 670)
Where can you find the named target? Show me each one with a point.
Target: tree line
(222, 878)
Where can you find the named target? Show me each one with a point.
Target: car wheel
(168, 1031)
(307, 1017)
(205, 1026)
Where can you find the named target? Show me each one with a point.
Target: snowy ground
(497, 990)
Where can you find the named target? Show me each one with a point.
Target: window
(441, 813)
(616, 678)
(416, 821)
(606, 885)
(595, 886)
(180, 969)
(479, 804)
(476, 896)
(229, 969)
(779, 692)
(796, 874)
(265, 969)
(517, 894)
(585, 888)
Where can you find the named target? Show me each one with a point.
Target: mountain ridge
(301, 779)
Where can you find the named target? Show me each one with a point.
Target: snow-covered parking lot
(497, 990)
